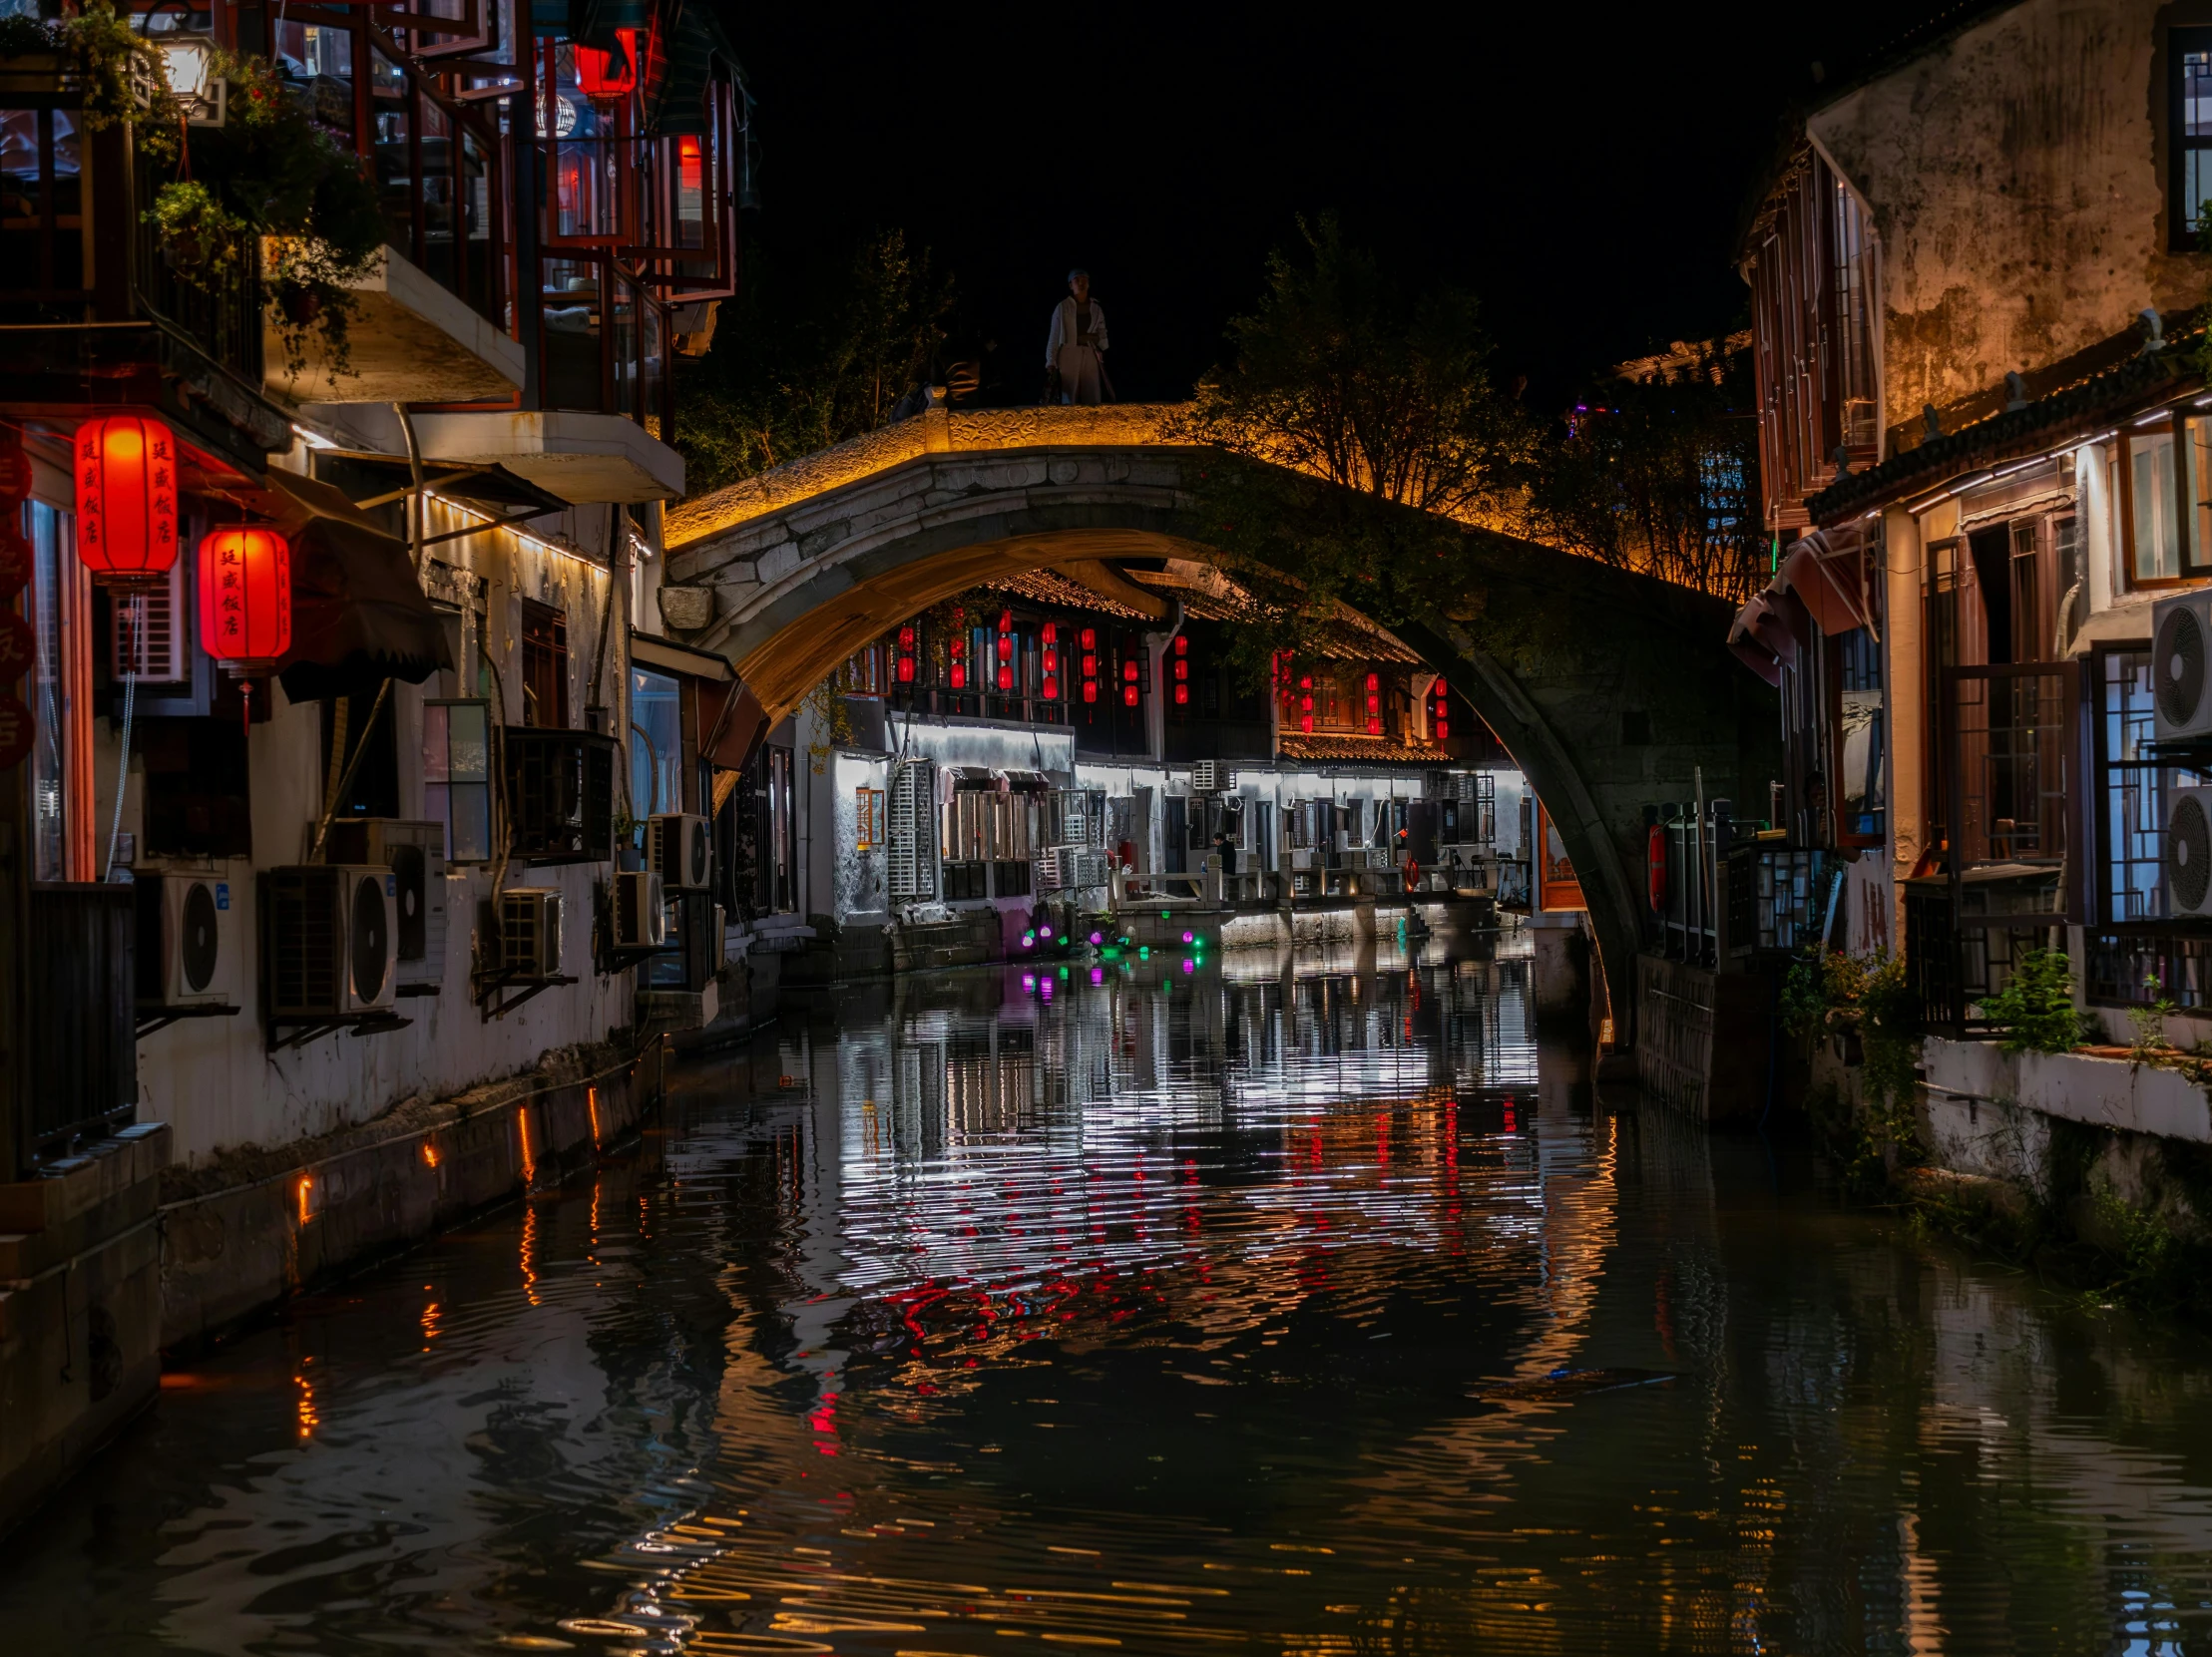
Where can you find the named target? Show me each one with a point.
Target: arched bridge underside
(1634, 701)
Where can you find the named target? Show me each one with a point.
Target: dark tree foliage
(806, 357)
(1360, 434)
(1660, 477)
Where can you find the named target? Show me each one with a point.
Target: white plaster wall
(213, 1080)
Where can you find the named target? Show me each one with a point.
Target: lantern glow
(245, 580)
(126, 496)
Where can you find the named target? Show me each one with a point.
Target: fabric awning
(1827, 569)
(359, 615)
(1761, 636)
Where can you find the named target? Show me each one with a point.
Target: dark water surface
(1238, 1310)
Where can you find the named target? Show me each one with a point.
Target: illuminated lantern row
(1005, 652)
(1374, 705)
(244, 579)
(126, 497)
(1130, 686)
(1050, 638)
(1088, 639)
(1305, 704)
(905, 667)
(1440, 710)
(1183, 670)
(957, 648)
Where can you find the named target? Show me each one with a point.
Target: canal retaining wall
(250, 1228)
(2097, 1167)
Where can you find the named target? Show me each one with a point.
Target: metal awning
(664, 656)
(485, 484)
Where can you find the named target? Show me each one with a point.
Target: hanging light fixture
(609, 75)
(244, 582)
(125, 499)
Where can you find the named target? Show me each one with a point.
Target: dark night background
(1583, 169)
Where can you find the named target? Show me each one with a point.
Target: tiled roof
(2076, 410)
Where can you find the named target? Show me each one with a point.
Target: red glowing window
(690, 166)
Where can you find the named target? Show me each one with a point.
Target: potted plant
(272, 185)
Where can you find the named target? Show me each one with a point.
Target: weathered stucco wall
(2017, 179)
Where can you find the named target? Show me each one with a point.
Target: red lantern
(126, 497)
(245, 596)
(600, 76)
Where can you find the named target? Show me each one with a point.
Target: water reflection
(1248, 1306)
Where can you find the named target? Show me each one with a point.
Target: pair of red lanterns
(127, 492)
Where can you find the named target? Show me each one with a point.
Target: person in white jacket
(1075, 349)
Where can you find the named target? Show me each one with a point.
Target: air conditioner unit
(2181, 667)
(189, 948)
(1210, 776)
(640, 911)
(415, 854)
(1380, 857)
(1301, 857)
(530, 931)
(328, 938)
(679, 847)
(2188, 854)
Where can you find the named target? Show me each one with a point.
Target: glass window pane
(316, 62)
(2157, 553)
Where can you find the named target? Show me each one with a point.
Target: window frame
(2182, 239)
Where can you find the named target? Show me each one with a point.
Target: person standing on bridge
(1075, 349)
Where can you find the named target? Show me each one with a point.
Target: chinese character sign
(127, 485)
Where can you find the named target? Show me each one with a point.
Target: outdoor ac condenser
(2188, 853)
(1210, 776)
(640, 911)
(2181, 667)
(328, 938)
(679, 847)
(530, 931)
(188, 942)
(415, 854)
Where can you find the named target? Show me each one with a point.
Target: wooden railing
(84, 1061)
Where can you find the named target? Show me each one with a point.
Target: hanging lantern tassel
(245, 602)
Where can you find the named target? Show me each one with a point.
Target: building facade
(1976, 288)
(268, 889)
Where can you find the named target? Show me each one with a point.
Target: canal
(1307, 1307)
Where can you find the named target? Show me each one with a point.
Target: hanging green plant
(122, 77)
(269, 180)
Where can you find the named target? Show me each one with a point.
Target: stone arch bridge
(802, 566)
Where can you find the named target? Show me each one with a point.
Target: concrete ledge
(80, 1312)
(2075, 1086)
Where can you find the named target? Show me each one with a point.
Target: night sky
(1583, 169)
